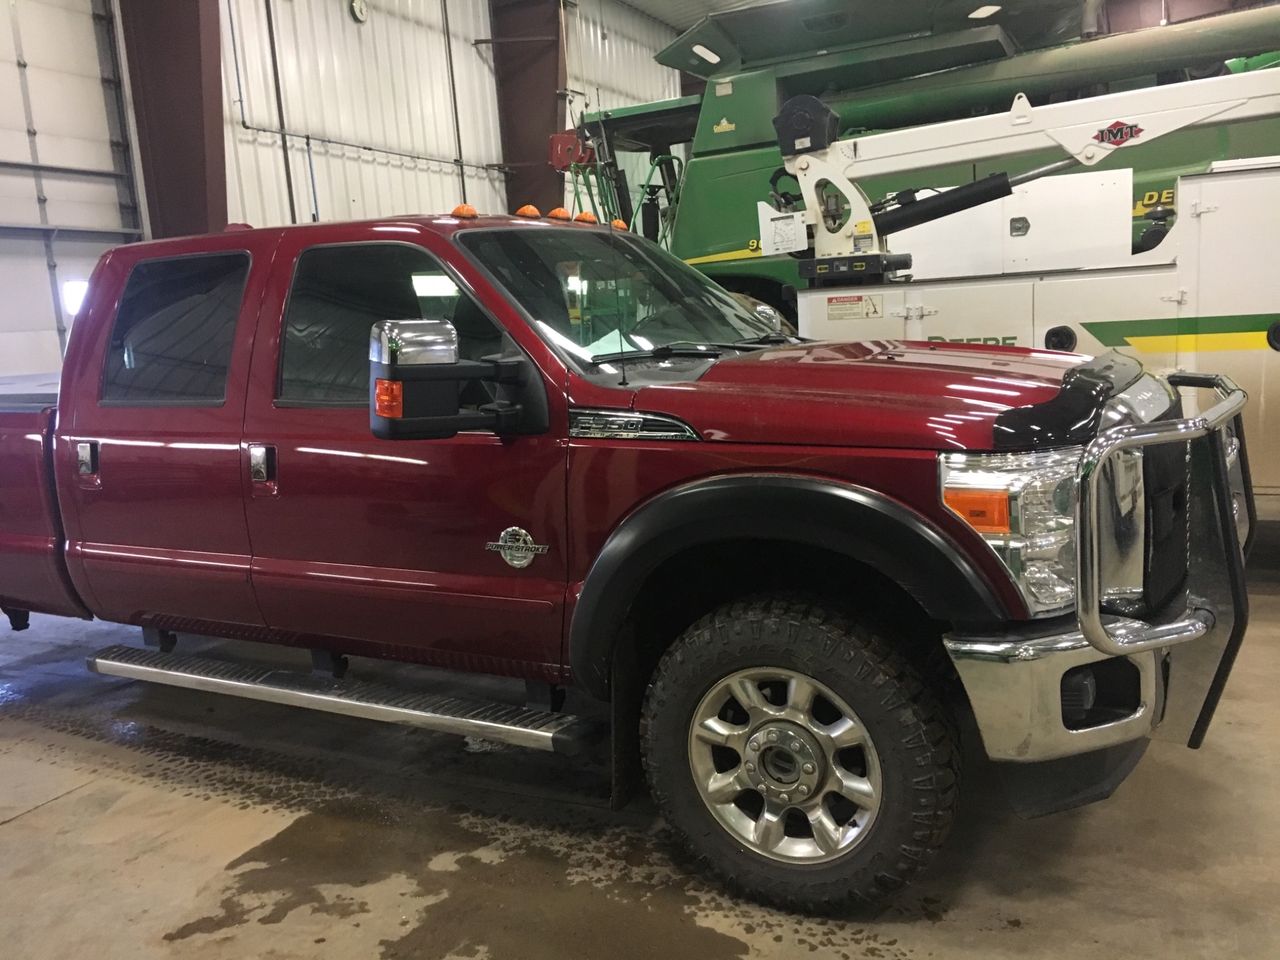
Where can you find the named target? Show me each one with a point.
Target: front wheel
(798, 756)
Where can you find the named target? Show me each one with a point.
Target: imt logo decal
(1118, 134)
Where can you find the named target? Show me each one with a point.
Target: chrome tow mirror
(413, 343)
(416, 382)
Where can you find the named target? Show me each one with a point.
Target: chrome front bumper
(1014, 682)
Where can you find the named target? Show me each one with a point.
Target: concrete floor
(146, 822)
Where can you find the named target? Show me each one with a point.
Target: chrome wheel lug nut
(753, 745)
(804, 791)
(784, 798)
(807, 768)
(751, 768)
(795, 745)
(762, 788)
(773, 736)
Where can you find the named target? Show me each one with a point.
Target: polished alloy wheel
(785, 765)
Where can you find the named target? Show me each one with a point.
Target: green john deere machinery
(689, 171)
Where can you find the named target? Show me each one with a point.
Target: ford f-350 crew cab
(793, 570)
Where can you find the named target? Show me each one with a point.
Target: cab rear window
(171, 341)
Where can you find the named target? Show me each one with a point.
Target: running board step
(501, 722)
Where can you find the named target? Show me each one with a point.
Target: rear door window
(171, 341)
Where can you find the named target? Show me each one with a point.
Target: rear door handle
(87, 458)
(262, 469)
(87, 476)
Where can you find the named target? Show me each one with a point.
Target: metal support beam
(175, 75)
(57, 171)
(52, 230)
(484, 41)
(529, 66)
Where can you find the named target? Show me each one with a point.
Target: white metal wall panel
(381, 88)
(60, 45)
(28, 334)
(610, 51)
(18, 197)
(610, 48)
(477, 101)
(65, 193)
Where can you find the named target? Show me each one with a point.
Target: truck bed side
(33, 572)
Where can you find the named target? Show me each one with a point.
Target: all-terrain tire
(913, 738)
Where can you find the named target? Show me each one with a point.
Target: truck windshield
(594, 294)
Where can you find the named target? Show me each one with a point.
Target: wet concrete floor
(144, 822)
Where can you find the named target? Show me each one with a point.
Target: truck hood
(891, 393)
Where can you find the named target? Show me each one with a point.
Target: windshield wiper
(662, 352)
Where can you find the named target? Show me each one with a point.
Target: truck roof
(443, 224)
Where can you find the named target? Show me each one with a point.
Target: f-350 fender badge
(515, 545)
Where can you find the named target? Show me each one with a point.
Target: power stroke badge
(515, 545)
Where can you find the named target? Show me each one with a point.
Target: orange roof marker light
(529, 210)
(586, 216)
(559, 213)
(619, 224)
(465, 211)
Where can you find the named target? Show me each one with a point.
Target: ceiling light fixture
(983, 12)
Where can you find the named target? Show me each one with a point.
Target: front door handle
(262, 469)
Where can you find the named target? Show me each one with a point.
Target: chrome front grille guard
(1014, 683)
(1118, 636)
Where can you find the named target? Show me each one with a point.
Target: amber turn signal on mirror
(388, 399)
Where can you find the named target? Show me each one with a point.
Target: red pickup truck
(792, 570)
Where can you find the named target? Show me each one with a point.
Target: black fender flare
(854, 521)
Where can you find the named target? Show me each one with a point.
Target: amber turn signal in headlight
(1023, 505)
(388, 399)
(987, 511)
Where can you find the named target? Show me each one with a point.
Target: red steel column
(529, 64)
(175, 76)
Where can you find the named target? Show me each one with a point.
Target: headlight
(1024, 505)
